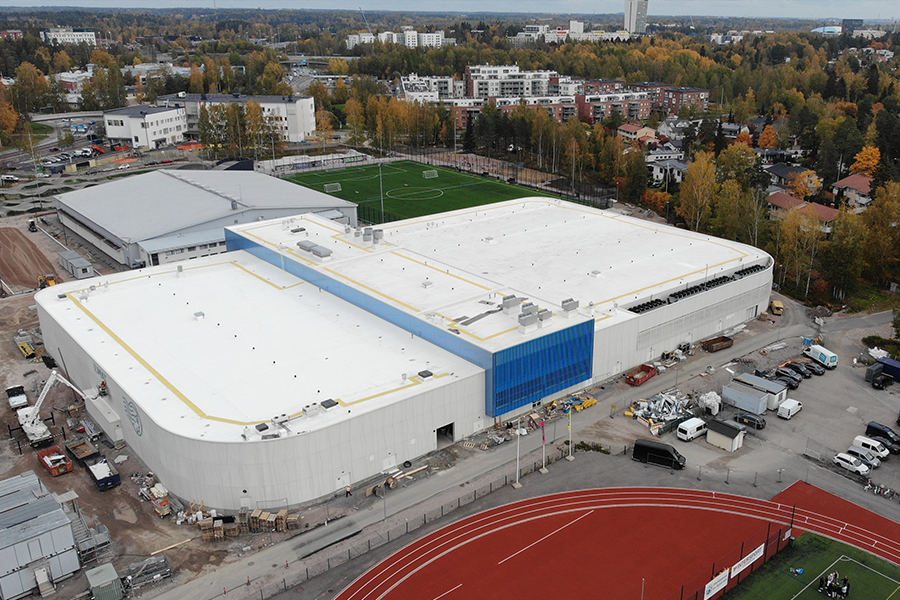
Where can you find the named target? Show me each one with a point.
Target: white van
(876, 448)
(789, 408)
(690, 429)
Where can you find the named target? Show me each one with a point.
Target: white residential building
(146, 126)
(69, 35)
(294, 115)
(408, 37)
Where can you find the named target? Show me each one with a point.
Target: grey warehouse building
(170, 216)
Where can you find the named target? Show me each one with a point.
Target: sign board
(716, 585)
(747, 560)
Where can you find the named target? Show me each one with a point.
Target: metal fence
(773, 538)
(393, 527)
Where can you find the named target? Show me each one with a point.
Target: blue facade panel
(528, 372)
(449, 341)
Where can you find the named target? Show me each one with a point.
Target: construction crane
(365, 19)
(29, 417)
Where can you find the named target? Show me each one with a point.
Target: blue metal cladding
(540, 367)
(449, 341)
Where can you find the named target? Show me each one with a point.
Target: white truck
(17, 397)
(35, 429)
(822, 355)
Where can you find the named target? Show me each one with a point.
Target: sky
(803, 9)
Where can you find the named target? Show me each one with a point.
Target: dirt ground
(21, 262)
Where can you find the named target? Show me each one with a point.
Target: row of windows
(115, 123)
(194, 248)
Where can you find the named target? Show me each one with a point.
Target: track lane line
(544, 538)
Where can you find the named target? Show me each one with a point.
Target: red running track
(604, 543)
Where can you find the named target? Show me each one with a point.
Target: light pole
(569, 413)
(517, 485)
(381, 190)
(543, 450)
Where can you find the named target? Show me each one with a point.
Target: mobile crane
(35, 429)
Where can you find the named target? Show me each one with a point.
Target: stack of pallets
(293, 522)
(218, 530)
(243, 520)
(254, 521)
(281, 520)
(232, 530)
(270, 521)
(206, 528)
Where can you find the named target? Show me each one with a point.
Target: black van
(657, 453)
(884, 431)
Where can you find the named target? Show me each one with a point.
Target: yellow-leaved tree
(866, 161)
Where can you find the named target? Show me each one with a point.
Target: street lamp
(381, 189)
(517, 485)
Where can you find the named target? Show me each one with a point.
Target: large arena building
(313, 355)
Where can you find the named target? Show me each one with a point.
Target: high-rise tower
(636, 16)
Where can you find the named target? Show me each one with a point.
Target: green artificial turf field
(407, 193)
(871, 578)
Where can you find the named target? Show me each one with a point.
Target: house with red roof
(631, 132)
(780, 204)
(856, 190)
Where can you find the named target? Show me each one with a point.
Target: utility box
(105, 583)
(75, 265)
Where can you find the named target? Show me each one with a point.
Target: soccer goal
(432, 174)
(332, 187)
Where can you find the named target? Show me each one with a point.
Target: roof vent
(199, 315)
(595, 274)
(234, 205)
(427, 284)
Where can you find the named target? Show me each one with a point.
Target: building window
(192, 248)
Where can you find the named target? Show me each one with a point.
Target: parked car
(9, 178)
(789, 373)
(877, 429)
(814, 368)
(866, 457)
(755, 421)
(799, 369)
(791, 383)
(891, 446)
(851, 463)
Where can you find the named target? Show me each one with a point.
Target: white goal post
(332, 187)
(432, 174)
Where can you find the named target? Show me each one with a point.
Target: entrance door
(444, 436)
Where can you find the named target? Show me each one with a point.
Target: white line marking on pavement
(448, 591)
(543, 538)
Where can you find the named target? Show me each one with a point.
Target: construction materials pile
(660, 409)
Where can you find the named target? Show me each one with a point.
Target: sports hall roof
(449, 268)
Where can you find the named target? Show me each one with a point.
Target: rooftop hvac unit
(509, 301)
(298, 230)
(425, 374)
(306, 245)
(281, 419)
(199, 315)
(544, 315)
(595, 274)
(527, 319)
(529, 309)
(378, 235)
(427, 284)
(569, 304)
(320, 252)
(328, 404)
(262, 427)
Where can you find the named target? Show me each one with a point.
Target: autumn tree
(744, 138)
(801, 236)
(356, 121)
(62, 62)
(866, 161)
(31, 89)
(698, 191)
(768, 138)
(882, 247)
(197, 83)
(324, 126)
(802, 185)
(841, 259)
(9, 118)
(657, 201)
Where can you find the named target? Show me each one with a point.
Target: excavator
(35, 429)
